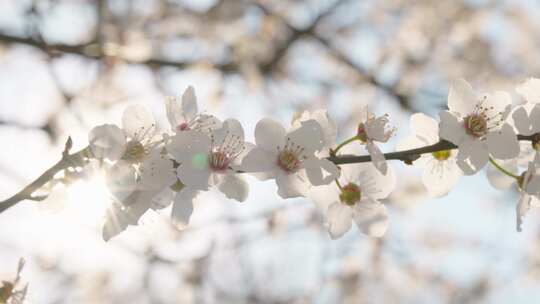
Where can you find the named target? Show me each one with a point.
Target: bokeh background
(68, 65)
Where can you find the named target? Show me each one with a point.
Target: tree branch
(68, 160)
(27, 193)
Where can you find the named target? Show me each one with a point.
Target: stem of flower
(343, 144)
(503, 170)
(339, 185)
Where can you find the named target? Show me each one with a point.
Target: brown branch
(27, 193)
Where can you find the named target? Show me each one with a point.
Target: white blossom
(372, 129)
(529, 185)
(328, 127)
(358, 200)
(476, 124)
(211, 159)
(441, 172)
(185, 115)
(289, 157)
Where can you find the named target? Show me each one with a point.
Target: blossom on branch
(289, 157)
(477, 125)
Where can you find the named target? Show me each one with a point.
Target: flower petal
(259, 160)
(269, 134)
(121, 179)
(189, 146)
(521, 121)
(503, 144)
(107, 141)
(530, 90)
(523, 206)
(320, 171)
(472, 156)
(174, 113)
(292, 185)
(157, 172)
(309, 136)
(461, 97)
(498, 103)
(451, 128)
(371, 181)
(234, 187)
(371, 217)
(440, 177)
(138, 122)
(183, 206)
(425, 128)
(534, 118)
(189, 103)
(193, 176)
(338, 219)
(377, 157)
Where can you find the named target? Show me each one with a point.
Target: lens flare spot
(200, 161)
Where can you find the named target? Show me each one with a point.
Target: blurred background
(68, 65)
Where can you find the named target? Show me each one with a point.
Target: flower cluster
(148, 168)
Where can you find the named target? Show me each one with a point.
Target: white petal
(371, 181)
(107, 141)
(472, 156)
(530, 90)
(378, 129)
(309, 136)
(189, 146)
(269, 134)
(193, 176)
(523, 206)
(499, 180)
(451, 128)
(189, 103)
(440, 177)
(121, 179)
(338, 219)
(207, 123)
(521, 121)
(534, 117)
(320, 171)
(231, 134)
(498, 102)
(377, 157)
(327, 124)
(127, 212)
(174, 113)
(157, 172)
(371, 217)
(503, 144)
(425, 128)
(183, 206)
(461, 97)
(138, 122)
(292, 185)
(234, 187)
(323, 196)
(259, 160)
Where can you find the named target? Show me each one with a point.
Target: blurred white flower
(373, 129)
(211, 159)
(289, 157)
(441, 172)
(530, 90)
(185, 116)
(362, 186)
(477, 126)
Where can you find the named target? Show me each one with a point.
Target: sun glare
(87, 200)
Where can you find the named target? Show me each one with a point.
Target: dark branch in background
(75, 159)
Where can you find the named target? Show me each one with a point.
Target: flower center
(290, 157)
(350, 194)
(135, 151)
(223, 155)
(183, 127)
(219, 161)
(476, 125)
(479, 122)
(441, 155)
(361, 132)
